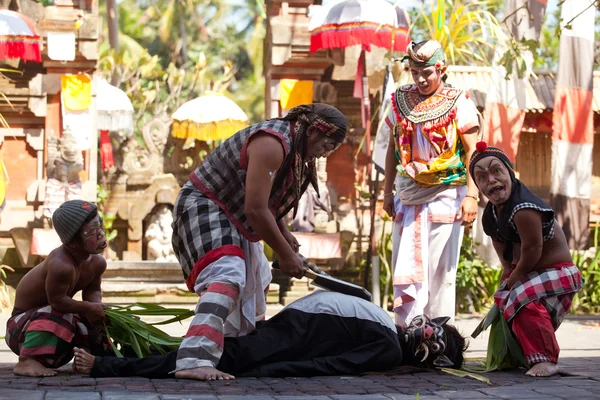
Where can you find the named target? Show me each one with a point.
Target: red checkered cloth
(554, 287)
(71, 329)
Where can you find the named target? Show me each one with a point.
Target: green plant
(107, 219)
(476, 281)
(126, 329)
(384, 251)
(466, 30)
(588, 262)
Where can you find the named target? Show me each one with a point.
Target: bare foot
(543, 369)
(83, 361)
(29, 367)
(203, 374)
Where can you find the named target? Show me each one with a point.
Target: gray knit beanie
(70, 216)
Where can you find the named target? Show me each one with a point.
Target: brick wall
(21, 166)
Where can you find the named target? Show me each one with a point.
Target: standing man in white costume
(433, 131)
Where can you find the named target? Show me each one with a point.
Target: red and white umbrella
(360, 22)
(366, 23)
(19, 38)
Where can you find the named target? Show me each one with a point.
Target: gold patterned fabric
(434, 117)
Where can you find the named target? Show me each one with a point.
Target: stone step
(287, 300)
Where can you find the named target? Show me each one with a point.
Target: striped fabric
(505, 101)
(46, 335)
(222, 176)
(573, 125)
(57, 193)
(203, 343)
(202, 233)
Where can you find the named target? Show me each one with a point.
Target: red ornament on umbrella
(19, 38)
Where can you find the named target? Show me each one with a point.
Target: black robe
(324, 333)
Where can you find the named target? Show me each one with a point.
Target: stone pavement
(580, 378)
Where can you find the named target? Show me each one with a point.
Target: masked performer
(434, 130)
(236, 197)
(324, 333)
(46, 322)
(539, 278)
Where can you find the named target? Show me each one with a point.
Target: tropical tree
(467, 30)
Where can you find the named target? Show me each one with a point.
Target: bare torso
(554, 251)
(31, 291)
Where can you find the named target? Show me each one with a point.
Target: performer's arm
(93, 292)
(265, 156)
(391, 162)
(499, 247)
(58, 282)
(468, 208)
(529, 227)
(291, 239)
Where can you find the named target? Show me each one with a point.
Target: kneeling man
(46, 322)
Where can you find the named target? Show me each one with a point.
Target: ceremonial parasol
(19, 38)
(209, 117)
(364, 23)
(360, 22)
(115, 111)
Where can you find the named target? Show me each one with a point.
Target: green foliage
(503, 351)
(467, 30)
(587, 300)
(107, 219)
(173, 51)
(476, 281)
(384, 252)
(126, 329)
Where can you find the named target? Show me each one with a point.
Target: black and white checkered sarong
(199, 226)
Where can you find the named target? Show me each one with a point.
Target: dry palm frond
(126, 329)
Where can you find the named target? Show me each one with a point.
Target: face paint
(493, 178)
(425, 339)
(93, 237)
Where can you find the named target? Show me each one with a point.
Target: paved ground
(580, 379)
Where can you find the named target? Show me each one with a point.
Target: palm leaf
(462, 374)
(126, 329)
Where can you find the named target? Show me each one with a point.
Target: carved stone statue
(65, 162)
(158, 236)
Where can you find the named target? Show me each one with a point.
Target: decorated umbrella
(19, 38)
(114, 113)
(364, 23)
(360, 22)
(209, 117)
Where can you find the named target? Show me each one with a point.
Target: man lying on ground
(324, 333)
(46, 322)
(539, 279)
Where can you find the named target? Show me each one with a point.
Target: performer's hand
(291, 239)
(292, 266)
(388, 205)
(468, 210)
(513, 278)
(95, 312)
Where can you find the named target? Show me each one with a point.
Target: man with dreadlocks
(434, 130)
(236, 197)
(539, 279)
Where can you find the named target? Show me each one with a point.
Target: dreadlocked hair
(456, 345)
(329, 121)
